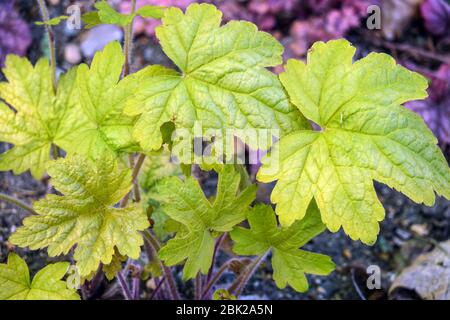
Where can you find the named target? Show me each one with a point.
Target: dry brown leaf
(428, 276)
(396, 15)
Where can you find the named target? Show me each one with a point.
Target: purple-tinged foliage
(435, 110)
(15, 36)
(306, 20)
(436, 14)
(148, 26)
(329, 19)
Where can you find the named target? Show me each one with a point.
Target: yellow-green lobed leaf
(52, 22)
(366, 134)
(202, 220)
(109, 15)
(223, 81)
(15, 281)
(149, 11)
(86, 214)
(39, 117)
(100, 125)
(288, 262)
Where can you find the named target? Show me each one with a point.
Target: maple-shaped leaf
(86, 215)
(223, 81)
(288, 262)
(38, 116)
(202, 220)
(101, 125)
(15, 281)
(365, 135)
(107, 14)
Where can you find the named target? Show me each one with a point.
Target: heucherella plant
(201, 220)
(40, 118)
(102, 125)
(289, 263)
(365, 135)
(123, 196)
(223, 81)
(85, 214)
(15, 281)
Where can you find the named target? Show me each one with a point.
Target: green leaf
(36, 121)
(52, 22)
(223, 81)
(110, 270)
(109, 15)
(366, 135)
(91, 19)
(152, 269)
(101, 126)
(148, 11)
(157, 165)
(86, 215)
(223, 294)
(202, 220)
(288, 262)
(15, 281)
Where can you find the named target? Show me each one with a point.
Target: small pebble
(98, 37)
(321, 290)
(420, 229)
(150, 284)
(347, 253)
(72, 53)
(403, 234)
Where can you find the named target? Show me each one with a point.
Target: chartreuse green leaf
(223, 82)
(15, 281)
(108, 15)
(52, 22)
(110, 270)
(102, 126)
(149, 11)
(202, 220)
(157, 165)
(223, 294)
(366, 135)
(86, 215)
(91, 19)
(288, 262)
(38, 116)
